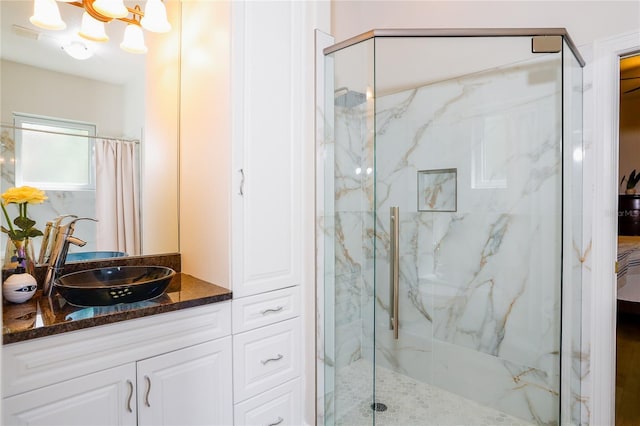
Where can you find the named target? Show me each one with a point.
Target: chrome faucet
(48, 242)
(59, 250)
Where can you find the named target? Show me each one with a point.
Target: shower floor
(409, 402)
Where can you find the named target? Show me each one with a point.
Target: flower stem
(6, 215)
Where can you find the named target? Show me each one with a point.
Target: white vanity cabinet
(190, 386)
(105, 398)
(172, 369)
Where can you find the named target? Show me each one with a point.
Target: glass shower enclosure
(449, 209)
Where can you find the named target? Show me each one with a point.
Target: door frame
(603, 114)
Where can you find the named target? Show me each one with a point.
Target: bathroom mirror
(126, 96)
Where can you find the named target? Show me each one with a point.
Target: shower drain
(378, 406)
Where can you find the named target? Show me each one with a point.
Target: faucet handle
(59, 219)
(69, 227)
(83, 218)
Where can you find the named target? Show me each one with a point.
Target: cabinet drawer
(279, 406)
(265, 357)
(264, 309)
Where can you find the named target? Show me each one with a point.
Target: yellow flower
(22, 197)
(23, 194)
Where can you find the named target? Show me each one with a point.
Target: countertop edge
(21, 336)
(184, 281)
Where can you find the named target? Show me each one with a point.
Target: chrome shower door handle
(394, 270)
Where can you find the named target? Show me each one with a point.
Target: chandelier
(98, 12)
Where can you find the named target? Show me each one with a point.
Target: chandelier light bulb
(155, 17)
(111, 8)
(92, 29)
(47, 15)
(133, 40)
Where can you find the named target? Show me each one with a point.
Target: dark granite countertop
(45, 316)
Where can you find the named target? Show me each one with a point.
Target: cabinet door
(190, 386)
(268, 64)
(104, 398)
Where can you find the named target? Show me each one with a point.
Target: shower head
(348, 98)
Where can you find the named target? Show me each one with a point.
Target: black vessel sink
(113, 285)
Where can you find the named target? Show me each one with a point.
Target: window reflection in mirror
(126, 96)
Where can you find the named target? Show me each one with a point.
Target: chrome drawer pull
(130, 383)
(268, 311)
(241, 182)
(278, 358)
(146, 396)
(277, 422)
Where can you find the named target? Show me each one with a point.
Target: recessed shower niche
(449, 185)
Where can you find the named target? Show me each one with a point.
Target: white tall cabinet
(246, 133)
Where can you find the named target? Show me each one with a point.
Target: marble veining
(480, 286)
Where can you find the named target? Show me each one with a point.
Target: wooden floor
(628, 370)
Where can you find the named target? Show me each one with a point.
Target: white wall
(584, 20)
(205, 134)
(34, 90)
(160, 146)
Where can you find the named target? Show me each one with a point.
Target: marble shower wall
(348, 279)
(480, 287)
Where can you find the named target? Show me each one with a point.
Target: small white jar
(19, 288)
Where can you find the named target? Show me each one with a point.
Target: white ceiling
(109, 63)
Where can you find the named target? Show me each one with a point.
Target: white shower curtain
(117, 205)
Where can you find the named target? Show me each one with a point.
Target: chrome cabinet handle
(146, 395)
(241, 182)
(277, 422)
(130, 383)
(394, 270)
(278, 358)
(267, 311)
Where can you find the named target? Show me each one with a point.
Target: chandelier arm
(88, 6)
(129, 21)
(135, 11)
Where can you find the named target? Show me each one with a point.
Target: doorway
(627, 389)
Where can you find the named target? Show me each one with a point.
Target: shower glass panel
(349, 242)
(452, 208)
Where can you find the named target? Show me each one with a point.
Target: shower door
(450, 223)
(468, 226)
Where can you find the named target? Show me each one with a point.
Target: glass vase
(20, 254)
